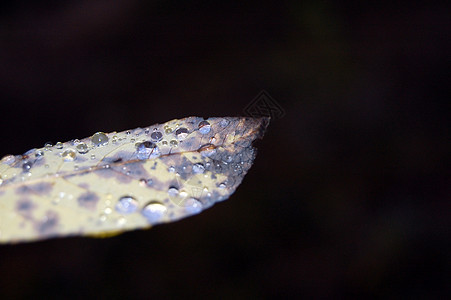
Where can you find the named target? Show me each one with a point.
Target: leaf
(115, 182)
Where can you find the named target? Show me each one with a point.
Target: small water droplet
(204, 127)
(69, 155)
(173, 191)
(108, 210)
(59, 145)
(93, 156)
(82, 148)
(156, 136)
(128, 132)
(99, 138)
(224, 123)
(222, 185)
(207, 150)
(173, 143)
(192, 205)
(126, 205)
(198, 168)
(143, 182)
(48, 145)
(132, 140)
(212, 140)
(146, 131)
(27, 166)
(121, 221)
(181, 133)
(164, 142)
(154, 211)
(76, 168)
(168, 130)
(171, 169)
(39, 154)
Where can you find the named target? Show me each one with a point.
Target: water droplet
(146, 149)
(146, 131)
(173, 191)
(212, 140)
(132, 140)
(164, 142)
(154, 211)
(108, 210)
(192, 205)
(173, 143)
(93, 156)
(181, 133)
(156, 136)
(207, 150)
(8, 159)
(171, 169)
(39, 154)
(27, 166)
(121, 221)
(168, 130)
(82, 148)
(126, 205)
(198, 168)
(69, 155)
(222, 185)
(48, 145)
(143, 182)
(224, 123)
(204, 127)
(99, 138)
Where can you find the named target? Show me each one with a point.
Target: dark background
(349, 194)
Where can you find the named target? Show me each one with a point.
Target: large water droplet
(156, 136)
(192, 206)
(154, 211)
(126, 205)
(181, 133)
(198, 168)
(204, 127)
(99, 138)
(69, 155)
(82, 148)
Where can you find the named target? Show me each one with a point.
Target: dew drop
(39, 154)
(207, 150)
(146, 131)
(126, 205)
(168, 130)
(154, 211)
(181, 133)
(192, 206)
(93, 156)
(173, 143)
(156, 136)
(27, 166)
(82, 148)
(224, 123)
(198, 168)
(69, 155)
(222, 185)
(173, 191)
(99, 138)
(171, 169)
(146, 149)
(204, 127)
(48, 145)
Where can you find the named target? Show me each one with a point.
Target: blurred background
(349, 194)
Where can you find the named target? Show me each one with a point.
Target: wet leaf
(114, 182)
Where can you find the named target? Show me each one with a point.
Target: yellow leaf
(114, 182)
